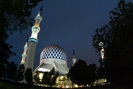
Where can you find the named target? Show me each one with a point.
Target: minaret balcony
(24, 55)
(38, 18)
(33, 40)
(35, 29)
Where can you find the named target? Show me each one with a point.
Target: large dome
(53, 56)
(53, 51)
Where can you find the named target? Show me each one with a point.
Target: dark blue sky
(69, 24)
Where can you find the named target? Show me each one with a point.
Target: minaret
(101, 45)
(73, 59)
(24, 55)
(33, 41)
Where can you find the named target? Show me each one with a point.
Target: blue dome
(53, 51)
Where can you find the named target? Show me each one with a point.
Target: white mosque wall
(52, 60)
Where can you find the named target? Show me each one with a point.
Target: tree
(21, 71)
(53, 81)
(28, 76)
(81, 73)
(14, 16)
(116, 36)
(101, 71)
(36, 77)
(2, 70)
(49, 78)
(78, 73)
(11, 70)
(8, 70)
(46, 78)
(92, 75)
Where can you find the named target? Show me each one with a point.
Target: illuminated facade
(55, 57)
(51, 57)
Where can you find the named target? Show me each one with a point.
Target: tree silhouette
(21, 71)
(81, 73)
(49, 78)
(101, 71)
(14, 16)
(2, 70)
(8, 70)
(11, 70)
(53, 80)
(28, 76)
(46, 79)
(92, 75)
(36, 77)
(116, 36)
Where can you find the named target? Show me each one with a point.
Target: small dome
(53, 51)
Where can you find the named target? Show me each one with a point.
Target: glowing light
(101, 45)
(67, 86)
(102, 53)
(40, 76)
(76, 86)
(43, 70)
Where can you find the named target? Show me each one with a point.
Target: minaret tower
(24, 55)
(33, 41)
(102, 52)
(74, 58)
(101, 45)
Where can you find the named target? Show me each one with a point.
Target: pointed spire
(73, 59)
(73, 52)
(28, 38)
(41, 10)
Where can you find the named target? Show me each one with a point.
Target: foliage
(8, 70)
(92, 73)
(53, 76)
(102, 70)
(53, 80)
(36, 77)
(2, 70)
(14, 16)
(46, 78)
(11, 70)
(81, 73)
(116, 36)
(21, 71)
(28, 76)
(49, 78)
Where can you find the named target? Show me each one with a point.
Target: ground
(5, 84)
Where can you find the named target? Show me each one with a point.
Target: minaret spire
(73, 59)
(36, 27)
(33, 40)
(24, 55)
(73, 53)
(40, 13)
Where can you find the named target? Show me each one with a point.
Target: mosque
(51, 57)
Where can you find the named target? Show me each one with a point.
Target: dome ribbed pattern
(53, 51)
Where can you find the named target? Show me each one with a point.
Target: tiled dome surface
(53, 51)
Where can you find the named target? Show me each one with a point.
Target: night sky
(69, 24)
